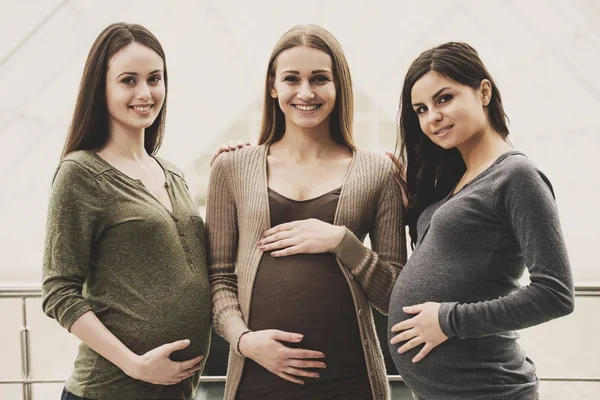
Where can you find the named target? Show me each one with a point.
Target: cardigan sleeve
(524, 200)
(75, 219)
(377, 269)
(222, 240)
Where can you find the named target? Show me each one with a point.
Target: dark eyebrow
(136, 74)
(436, 95)
(320, 71)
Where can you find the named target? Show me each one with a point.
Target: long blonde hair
(314, 36)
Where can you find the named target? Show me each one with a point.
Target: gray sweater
(472, 248)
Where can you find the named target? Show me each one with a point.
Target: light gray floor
(214, 391)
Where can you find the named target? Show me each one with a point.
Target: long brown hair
(432, 172)
(314, 36)
(89, 127)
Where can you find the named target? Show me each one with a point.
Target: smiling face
(304, 87)
(135, 89)
(450, 114)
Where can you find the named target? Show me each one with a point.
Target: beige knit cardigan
(237, 215)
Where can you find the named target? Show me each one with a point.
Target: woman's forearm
(91, 331)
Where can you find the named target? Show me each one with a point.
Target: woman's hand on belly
(266, 349)
(424, 328)
(156, 367)
(307, 236)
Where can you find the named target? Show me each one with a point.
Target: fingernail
(404, 308)
(400, 350)
(299, 337)
(186, 341)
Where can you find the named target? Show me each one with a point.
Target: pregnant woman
(292, 283)
(480, 213)
(124, 263)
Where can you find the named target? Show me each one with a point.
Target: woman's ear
(485, 89)
(272, 89)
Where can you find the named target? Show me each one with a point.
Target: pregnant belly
(180, 311)
(481, 362)
(308, 294)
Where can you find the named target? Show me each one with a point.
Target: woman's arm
(524, 199)
(377, 269)
(154, 367)
(222, 240)
(75, 220)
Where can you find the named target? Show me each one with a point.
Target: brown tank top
(307, 294)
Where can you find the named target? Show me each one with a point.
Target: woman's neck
(125, 145)
(307, 145)
(482, 150)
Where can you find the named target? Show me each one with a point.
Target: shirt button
(360, 311)
(175, 218)
(351, 277)
(366, 342)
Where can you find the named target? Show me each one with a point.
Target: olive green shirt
(113, 248)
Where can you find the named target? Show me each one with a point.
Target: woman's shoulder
(515, 164)
(515, 170)
(375, 158)
(374, 161)
(82, 160)
(241, 158)
(170, 167)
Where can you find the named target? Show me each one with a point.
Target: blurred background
(543, 54)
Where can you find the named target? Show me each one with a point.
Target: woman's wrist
(131, 364)
(340, 232)
(239, 346)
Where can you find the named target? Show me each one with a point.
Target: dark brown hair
(316, 37)
(432, 172)
(89, 127)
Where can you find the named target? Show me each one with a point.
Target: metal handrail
(23, 292)
(34, 290)
(220, 378)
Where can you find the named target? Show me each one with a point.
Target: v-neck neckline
(500, 158)
(266, 189)
(140, 183)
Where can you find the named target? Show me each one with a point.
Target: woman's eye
(128, 81)
(291, 79)
(155, 79)
(421, 110)
(321, 79)
(445, 98)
